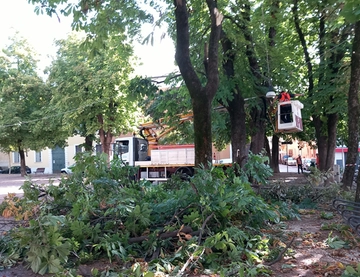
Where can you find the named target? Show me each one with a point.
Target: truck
(156, 162)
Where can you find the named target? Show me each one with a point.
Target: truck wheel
(185, 172)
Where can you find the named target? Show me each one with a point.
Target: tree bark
(201, 96)
(22, 162)
(88, 142)
(235, 106)
(202, 130)
(353, 115)
(105, 137)
(258, 115)
(274, 161)
(237, 113)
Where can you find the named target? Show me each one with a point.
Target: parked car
(17, 170)
(4, 170)
(68, 169)
(290, 161)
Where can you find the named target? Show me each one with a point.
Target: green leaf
(350, 270)
(149, 274)
(35, 262)
(337, 244)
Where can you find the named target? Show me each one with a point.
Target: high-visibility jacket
(284, 96)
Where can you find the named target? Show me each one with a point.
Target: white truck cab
(131, 150)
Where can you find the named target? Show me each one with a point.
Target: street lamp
(271, 93)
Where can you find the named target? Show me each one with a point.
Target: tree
(201, 96)
(353, 110)
(92, 93)
(23, 97)
(105, 20)
(353, 101)
(288, 70)
(324, 78)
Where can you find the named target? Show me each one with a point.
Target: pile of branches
(214, 220)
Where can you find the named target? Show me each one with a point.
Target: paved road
(285, 168)
(11, 183)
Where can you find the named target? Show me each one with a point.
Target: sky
(41, 31)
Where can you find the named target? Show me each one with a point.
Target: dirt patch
(309, 254)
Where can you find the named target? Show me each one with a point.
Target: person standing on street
(299, 164)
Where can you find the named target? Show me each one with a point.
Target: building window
(78, 149)
(98, 149)
(38, 157)
(16, 157)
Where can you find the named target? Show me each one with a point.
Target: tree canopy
(299, 46)
(24, 97)
(92, 92)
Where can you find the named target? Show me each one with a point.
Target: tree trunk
(238, 129)
(267, 148)
(274, 162)
(331, 140)
(105, 138)
(357, 193)
(202, 137)
(201, 96)
(353, 115)
(235, 106)
(88, 143)
(321, 143)
(22, 162)
(258, 115)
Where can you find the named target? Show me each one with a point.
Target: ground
(306, 241)
(310, 257)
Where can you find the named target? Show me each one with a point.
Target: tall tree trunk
(105, 138)
(274, 162)
(267, 148)
(201, 96)
(331, 144)
(258, 115)
(22, 162)
(322, 143)
(353, 115)
(235, 106)
(237, 113)
(202, 124)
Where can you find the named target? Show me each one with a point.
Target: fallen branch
(191, 258)
(203, 227)
(279, 257)
(173, 234)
